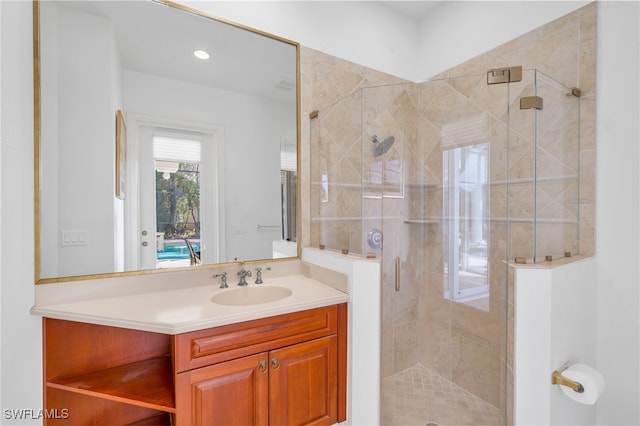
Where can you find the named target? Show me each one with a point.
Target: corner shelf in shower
(427, 221)
(422, 221)
(336, 219)
(352, 218)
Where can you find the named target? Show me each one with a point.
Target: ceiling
(152, 37)
(413, 9)
(157, 39)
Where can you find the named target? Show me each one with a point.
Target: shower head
(381, 146)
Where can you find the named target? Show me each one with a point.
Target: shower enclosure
(447, 182)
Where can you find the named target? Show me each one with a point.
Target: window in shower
(466, 224)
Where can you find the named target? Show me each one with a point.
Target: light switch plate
(73, 238)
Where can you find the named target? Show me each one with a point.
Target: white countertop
(187, 309)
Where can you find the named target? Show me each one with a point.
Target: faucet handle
(259, 274)
(243, 274)
(223, 279)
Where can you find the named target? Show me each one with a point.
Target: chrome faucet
(259, 274)
(243, 274)
(223, 279)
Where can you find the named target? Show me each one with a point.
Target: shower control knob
(374, 238)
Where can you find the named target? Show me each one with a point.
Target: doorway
(175, 209)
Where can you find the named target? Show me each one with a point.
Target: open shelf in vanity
(107, 374)
(147, 383)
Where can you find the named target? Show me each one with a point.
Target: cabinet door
(303, 383)
(230, 393)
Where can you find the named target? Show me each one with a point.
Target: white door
(164, 151)
(147, 202)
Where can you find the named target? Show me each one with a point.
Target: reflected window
(385, 178)
(466, 224)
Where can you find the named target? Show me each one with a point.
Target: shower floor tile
(417, 396)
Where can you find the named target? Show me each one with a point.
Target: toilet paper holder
(558, 379)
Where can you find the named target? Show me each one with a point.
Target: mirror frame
(37, 161)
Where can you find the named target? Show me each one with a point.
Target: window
(466, 224)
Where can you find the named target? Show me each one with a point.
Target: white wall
(80, 96)
(365, 32)
(554, 324)
(372, 34)
(20, 377)
(573, 337)
(532, 346)
(617, 232)
(618, 211)
(1, 201)
(460, 30)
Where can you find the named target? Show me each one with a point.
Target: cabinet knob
(275, 364)
(263, 366)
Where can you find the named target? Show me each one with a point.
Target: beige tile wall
(458, 341)
(333, 85)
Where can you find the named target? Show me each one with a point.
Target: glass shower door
(444, 325)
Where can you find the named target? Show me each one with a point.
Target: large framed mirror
(165, 138)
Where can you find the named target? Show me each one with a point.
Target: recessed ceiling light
(201, 54)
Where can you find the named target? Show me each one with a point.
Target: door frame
(213, 210)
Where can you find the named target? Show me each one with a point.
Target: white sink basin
(251, 295)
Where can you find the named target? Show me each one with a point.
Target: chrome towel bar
(267, 226)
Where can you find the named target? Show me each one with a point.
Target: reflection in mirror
(466, 229)
(201, 167)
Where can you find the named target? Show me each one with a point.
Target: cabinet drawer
(213, 345)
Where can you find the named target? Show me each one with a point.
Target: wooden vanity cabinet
(303, 383)
(296, 385)
(284, 370)
(229, 393)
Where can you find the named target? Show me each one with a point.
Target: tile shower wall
(327, 83)
(460, 343)
(564, 49)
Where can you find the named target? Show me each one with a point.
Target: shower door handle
(398, 273)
